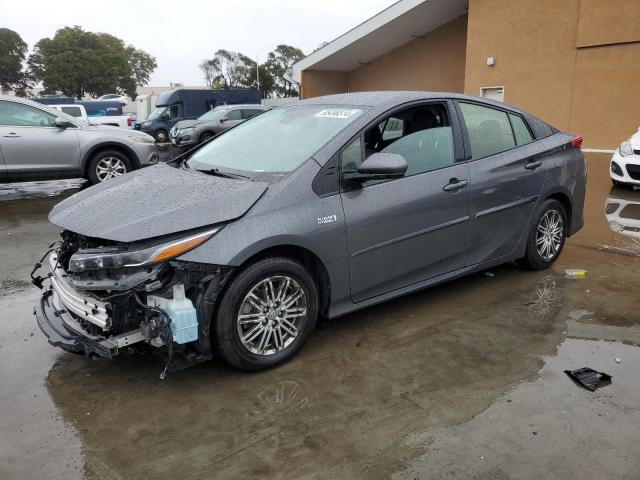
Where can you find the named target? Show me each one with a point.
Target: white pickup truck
(78, 111)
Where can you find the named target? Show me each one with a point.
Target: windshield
(277, 141)
(156, 113)
(213, 115)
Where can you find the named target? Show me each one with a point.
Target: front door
(404, 231)
(507, 177)
(31, 143)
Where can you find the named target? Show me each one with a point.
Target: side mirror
(63, 123)
(379, 166)
(223, 119)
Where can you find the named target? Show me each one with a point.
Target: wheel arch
(297, 252)
(565, 201)
(109, 146)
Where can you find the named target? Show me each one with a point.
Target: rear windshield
(277, 141)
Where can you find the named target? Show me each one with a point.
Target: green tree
(279, 62)
(13, 52)
(79, 63)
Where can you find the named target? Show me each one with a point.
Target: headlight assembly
(141, 139)
(81, 262)
(625, 149)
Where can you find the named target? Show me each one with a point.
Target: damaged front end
(105, 297)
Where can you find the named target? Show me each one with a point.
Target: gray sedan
(307, 211)
(40, 143)
(188, 133)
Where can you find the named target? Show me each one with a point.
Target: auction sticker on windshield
(336, 113)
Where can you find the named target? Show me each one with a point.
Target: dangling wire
(165, 331)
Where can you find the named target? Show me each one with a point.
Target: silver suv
(38, 142)
(191, 132)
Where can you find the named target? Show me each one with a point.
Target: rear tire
(244, 323)
(107, 164)
(546, 237)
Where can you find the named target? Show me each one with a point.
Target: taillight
(576, 142)
(129, 122)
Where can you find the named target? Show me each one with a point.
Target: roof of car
(381, 98)
(242, 105)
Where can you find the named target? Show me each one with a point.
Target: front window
(21, 115)
(277, 141)
(157, 113)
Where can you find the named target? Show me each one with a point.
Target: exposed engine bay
(106, 296)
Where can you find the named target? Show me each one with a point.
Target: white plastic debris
(618, 360)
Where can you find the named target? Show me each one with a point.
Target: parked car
(187, 133)
(114, 97)
(79, 112)
(625, 163)
(39, 142)
(185, 104)
(622, 210)
(305, 211)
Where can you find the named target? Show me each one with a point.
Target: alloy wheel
(109, 167)
(549, 235)
(272, 315)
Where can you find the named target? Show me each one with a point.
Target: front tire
(161, 136)
(107, 164)
(206, 136)
(546, 237)
(266, 314)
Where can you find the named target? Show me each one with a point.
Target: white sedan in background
(625, 163)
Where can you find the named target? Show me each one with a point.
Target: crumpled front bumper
(51, 320)
(63, 331)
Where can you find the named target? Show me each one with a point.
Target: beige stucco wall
(435, 63)
(316, 83)
(592, 90)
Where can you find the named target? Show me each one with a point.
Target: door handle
(454, 185)
(10, 135)
(533, 164)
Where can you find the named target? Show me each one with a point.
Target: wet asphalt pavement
(464, 380)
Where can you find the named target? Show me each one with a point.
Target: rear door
(507, 176)
(32, 145)
(404, 231)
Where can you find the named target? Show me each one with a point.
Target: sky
(180, 34)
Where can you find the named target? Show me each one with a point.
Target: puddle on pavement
(341, 409)
(49, 188)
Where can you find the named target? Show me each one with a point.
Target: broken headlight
(80, 262)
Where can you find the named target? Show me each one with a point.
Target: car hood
(184, 124)
(155, 201)
(635, 139)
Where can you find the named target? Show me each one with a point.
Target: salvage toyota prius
(308, 211)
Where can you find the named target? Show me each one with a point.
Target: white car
(114, 97)
(625, 163)
(623, 214)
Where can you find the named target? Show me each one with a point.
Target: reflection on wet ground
(464, 380)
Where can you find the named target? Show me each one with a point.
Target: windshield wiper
(219, 173)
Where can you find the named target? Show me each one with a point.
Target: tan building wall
(550, 58)
(435, 62)
(315, 83)
(573, 63)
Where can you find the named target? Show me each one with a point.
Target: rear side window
(233, 115)
(520, 130)
(73, 111)
(246, 114)
(489, 130)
